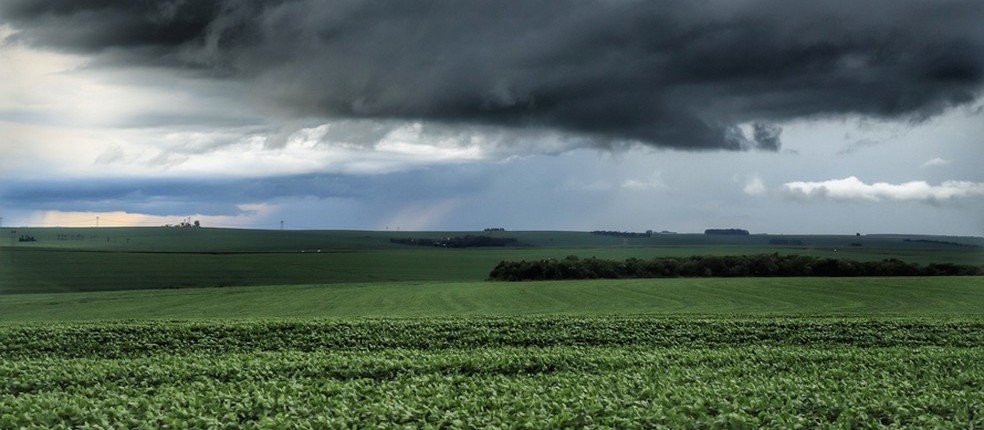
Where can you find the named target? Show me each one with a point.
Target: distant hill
(87, 259)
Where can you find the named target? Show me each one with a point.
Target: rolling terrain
(950, 297)
(93, 259)
(129, 328)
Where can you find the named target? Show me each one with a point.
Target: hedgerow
(762, 265)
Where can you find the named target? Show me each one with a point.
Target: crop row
(134, 339)
(559, 387)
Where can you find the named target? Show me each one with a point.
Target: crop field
(93, 259)
(127, 328)
(695, 353)
(530, 372)
(936, 297)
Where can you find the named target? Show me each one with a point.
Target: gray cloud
(767, 136)
(174, 197)
(668, 73)
(857, 146)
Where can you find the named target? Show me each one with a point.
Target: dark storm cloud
(767, 136)
(680, 74)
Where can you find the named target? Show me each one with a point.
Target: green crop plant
(528, 372)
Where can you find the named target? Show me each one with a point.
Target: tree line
(648, 233)
(727, 231)
(467, 241)
(762, 265)
(940, 242)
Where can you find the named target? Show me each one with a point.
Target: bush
(763, 265)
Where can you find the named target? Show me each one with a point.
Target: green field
(910, 297)
(90, 259)
(557, 387)
(527, 372)
(126, 328)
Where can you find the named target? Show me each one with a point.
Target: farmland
(89, 259)
(533, 372)
(203, 328)
(935, 297)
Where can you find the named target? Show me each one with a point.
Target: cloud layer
(852, 188)
(665, 73)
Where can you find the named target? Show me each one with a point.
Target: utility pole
(97, 221)
(281, 225)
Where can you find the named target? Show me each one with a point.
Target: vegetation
(789, 242)
(388, 336)
(551, 372)
(762, 265)
(648, 233)
(950, 297)
(727, 231)
(939, 242)
(127, 339)
(467, 241)
(96, 259)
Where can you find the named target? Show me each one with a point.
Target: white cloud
(755, 186)
(655, 182)
(852, 188)
(345, 146)
(936, 162)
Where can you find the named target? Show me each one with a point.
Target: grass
(911, 297)
(75, 260)
(386, 336)
(230, 240)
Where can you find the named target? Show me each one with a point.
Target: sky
(829, 117)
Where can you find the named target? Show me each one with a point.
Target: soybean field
(207, 328)
(531, 372)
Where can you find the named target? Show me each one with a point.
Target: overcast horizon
(777, 117)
